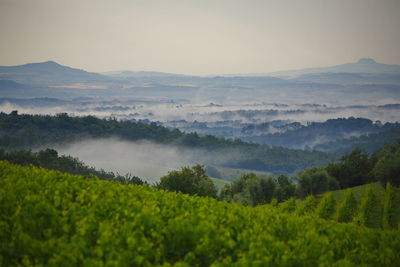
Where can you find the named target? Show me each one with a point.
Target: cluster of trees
(367, 142)
(49, 159)
(358, 167)
(353, 169)
(192, 181)
(32, 131)
(252, 190)
(294, 135)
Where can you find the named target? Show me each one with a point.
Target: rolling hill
(363, 65)
(48, 73)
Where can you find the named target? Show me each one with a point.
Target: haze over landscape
(148, 119)
(192, 37)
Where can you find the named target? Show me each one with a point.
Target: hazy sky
(199, 36)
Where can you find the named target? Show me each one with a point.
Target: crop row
(52, 218)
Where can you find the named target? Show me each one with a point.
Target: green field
(49, 218)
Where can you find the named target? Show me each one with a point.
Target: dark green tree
(192, 181)
(315, 180)
(286, 189)
(353, 169)
(250, 190)
(387, 167)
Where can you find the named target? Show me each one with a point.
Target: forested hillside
(353, 169)
(296, 135)
(368, 142)
(33, 131)
(51, 218)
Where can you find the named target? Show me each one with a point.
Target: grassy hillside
(51, 218)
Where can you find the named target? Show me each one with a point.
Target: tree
(192, 181)
(268, 188)
(387, 167)
(353, 169)
(286, 188)
(315, 180)
(250, 190)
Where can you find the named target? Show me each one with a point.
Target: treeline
(371, 210)
(32, 131)
(353, 169)
(294, 135)
(49, 159)
(368, 142)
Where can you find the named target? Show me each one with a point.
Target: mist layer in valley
(253, 108)
(144, 159)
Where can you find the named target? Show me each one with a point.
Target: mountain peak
(367, 61)
(50, 63)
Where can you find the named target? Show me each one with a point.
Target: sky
(199, 37)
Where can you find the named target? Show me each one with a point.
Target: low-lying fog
(211, 112)
(147, 160)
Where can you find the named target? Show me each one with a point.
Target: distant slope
(368, 142)
(295, 135)
(10, 85)
(135, 74)
(364, 65)
(48, 73)
(345, 78)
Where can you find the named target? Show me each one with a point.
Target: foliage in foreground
(372, 208)
(51, 218)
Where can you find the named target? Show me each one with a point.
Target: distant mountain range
(130, 74)
(364, 65)
(46, 73)
(331, 84)
(50, 71)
